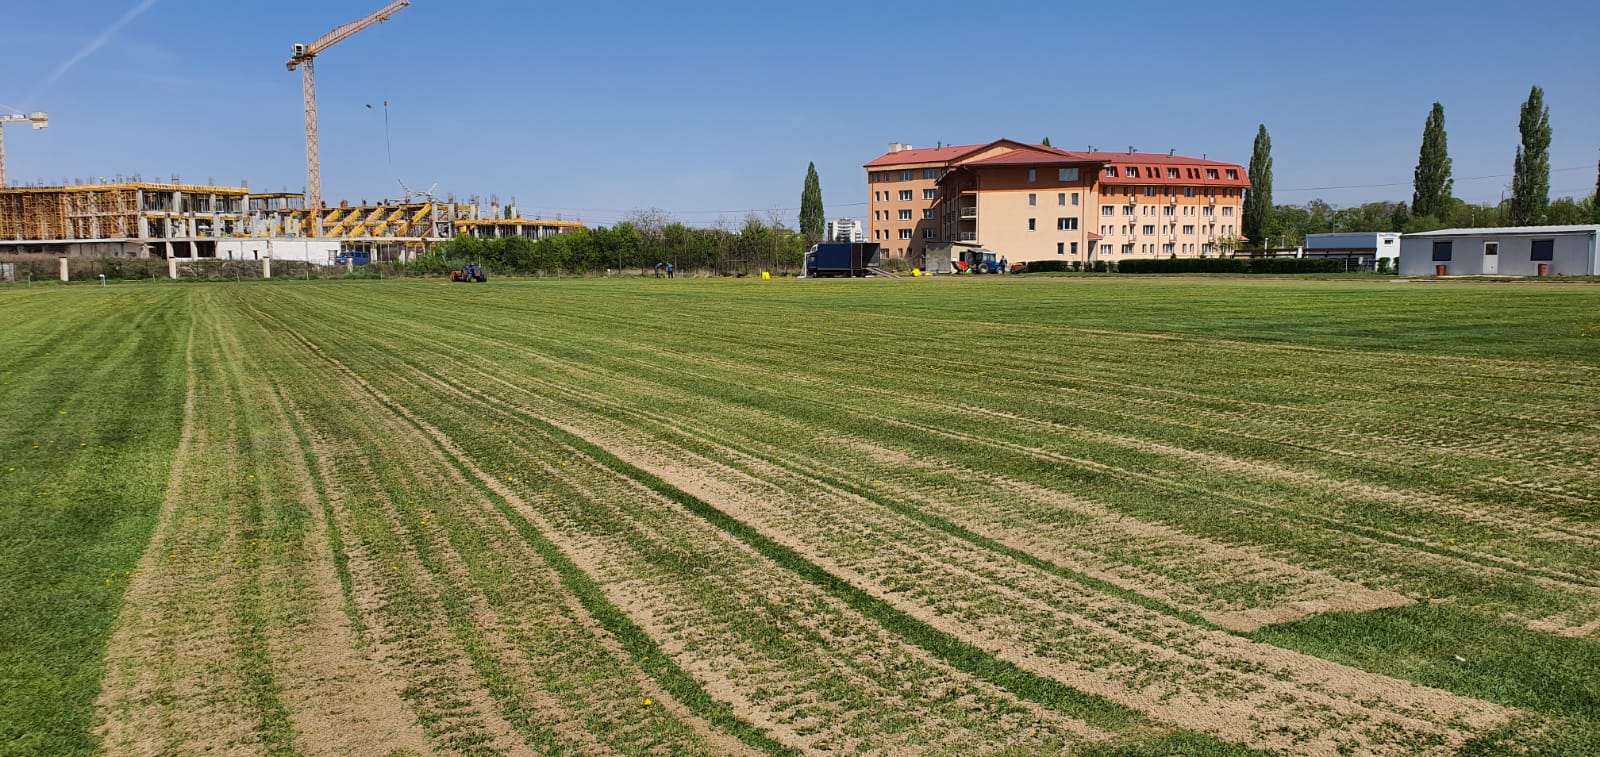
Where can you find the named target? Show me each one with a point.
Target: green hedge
(1048, 266)
(1233, 265)
(1297, 265)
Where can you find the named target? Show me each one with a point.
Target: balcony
(969, 236)
(971, 212)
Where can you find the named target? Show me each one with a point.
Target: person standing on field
(669, 270)
(658, 270)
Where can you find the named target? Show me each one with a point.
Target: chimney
(1131, 150)
(1172, 153)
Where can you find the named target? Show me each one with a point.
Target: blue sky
(710, 109)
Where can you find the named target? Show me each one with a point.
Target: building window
(1127, 210)
(930, 194)
(1188, 191)
(1108, 210)
(1033, 224)
(1074, 199)
(1067, 174)
(927, 214)
(1066, 224)
(1033, 200)
(930, 173)
(1149, 191)
(1167, 211)
(905, 215)
(906, 175)
(1074, 248)
(1061, 248)
(927, 234)
(1543, 249)
(1150, 230)
(905, 195)
(1111, 172)
(1188, 229)
(1233, 174)
(1442, 252)
(1061, 199)
(905, 233)
(1172, 173)
(1227, 212)
(1211, 173)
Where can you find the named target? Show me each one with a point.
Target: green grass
(1470, 394)
(90, 409)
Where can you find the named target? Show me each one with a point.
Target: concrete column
(64, 275)
(266, 268)
(172, 268)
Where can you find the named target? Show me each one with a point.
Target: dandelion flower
(648, 702)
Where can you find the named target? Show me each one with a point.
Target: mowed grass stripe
(863, 419)
(101, 375)
(640, 647)
(961, 655)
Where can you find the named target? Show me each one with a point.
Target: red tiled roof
(1093, 237)
(1037, 156)
(927, 155)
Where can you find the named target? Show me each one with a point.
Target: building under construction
(149, 220)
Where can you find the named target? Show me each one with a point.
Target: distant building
(1511, 251)
(154, 220)
(846, 230)
(1361, 251)
(1031, 202)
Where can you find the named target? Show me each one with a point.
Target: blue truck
(843, 259)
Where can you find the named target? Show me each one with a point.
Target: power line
(1407, 183)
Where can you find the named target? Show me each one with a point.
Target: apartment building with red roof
(1031, 202)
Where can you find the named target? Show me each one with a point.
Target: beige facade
(1028, 202)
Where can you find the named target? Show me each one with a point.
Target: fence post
(172, 268)
(266, 268)
(65, 273)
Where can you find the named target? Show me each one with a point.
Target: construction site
(139, 219)
(146, 220)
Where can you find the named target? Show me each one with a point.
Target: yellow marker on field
(766, 276)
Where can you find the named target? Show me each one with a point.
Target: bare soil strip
(1260, 709)
(861, 662)
(547, 663)
(173, 674)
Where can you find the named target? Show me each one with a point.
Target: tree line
(637, 244)
(1433, 203)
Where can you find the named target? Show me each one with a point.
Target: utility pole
(39, 121)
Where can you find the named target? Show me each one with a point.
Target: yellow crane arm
(303, 54)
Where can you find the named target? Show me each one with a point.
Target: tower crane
(304, 58)
(39, 121)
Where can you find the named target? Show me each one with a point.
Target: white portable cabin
(1510, 251)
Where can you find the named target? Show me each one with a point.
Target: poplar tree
(1432, 183)
(1530, 181)
(1595, 202)
(1258, 198)
(812, 218)
(1046, 142)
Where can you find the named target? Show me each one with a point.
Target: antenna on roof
(1131, 150)
(1173, 152)
(1091, 148)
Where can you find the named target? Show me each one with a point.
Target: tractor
(469, 274)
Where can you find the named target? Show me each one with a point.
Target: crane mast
(304, 58)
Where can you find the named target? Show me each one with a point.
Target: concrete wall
(1575, 255)
(319, 251)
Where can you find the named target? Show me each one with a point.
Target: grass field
(1099, 516)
